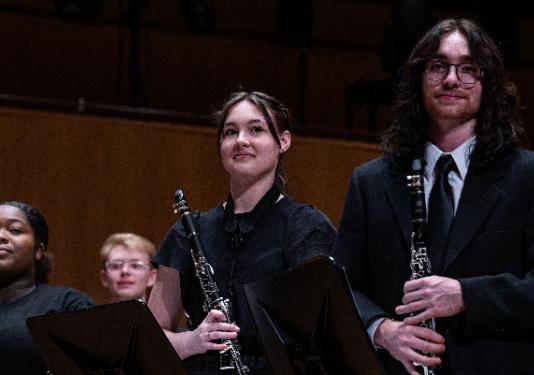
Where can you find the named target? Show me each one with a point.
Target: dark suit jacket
(491, 253)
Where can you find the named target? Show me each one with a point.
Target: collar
(461, 156)
(245, 222)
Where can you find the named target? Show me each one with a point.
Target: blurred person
(127, 272)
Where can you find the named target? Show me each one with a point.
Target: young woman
(258, 232)
(24, 269)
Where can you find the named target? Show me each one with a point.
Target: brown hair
(499, 124)
(275, 113)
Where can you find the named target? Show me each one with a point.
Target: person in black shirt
(24, 269)
(257, 233)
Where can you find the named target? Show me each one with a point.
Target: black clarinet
(419, 263)
(230, 358)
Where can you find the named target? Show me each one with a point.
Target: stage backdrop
(92, 176)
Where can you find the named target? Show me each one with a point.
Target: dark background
(164, 65)
(331, 61)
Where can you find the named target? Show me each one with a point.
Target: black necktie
(440, 212)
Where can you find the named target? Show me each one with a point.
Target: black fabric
(244, 222)
(238, 225)
(287, 234)
(490, 252)
(208, 365)
(441, 212)
(18, 352)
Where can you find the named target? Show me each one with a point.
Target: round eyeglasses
(118, 265)
(437, 70)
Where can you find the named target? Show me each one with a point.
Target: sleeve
(504, 302)
(173, 251)
(309, 233)
(350, 251)
(75, 300)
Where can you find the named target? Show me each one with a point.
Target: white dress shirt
(456, 177)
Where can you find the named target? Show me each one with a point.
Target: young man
(454, 101)
(127, 272)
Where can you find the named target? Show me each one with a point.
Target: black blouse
(243, 249)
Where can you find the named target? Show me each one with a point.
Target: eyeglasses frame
(445, 74)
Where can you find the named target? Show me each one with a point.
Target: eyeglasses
(134, 265)
(437, 70)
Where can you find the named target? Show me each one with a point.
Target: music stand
(308, 322)
(121, 338)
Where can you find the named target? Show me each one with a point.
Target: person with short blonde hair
(127, 271)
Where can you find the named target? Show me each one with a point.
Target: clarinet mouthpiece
(179, 195)
(181, 205)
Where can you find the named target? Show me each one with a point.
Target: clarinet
(230, 358)
(419, 263)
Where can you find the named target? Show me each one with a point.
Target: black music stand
(121, 338)
(309, 324)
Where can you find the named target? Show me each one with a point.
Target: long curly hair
(499, 125)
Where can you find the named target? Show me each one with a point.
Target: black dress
(244, 248)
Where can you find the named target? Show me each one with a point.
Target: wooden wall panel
(92, 176)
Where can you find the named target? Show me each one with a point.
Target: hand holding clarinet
(216, 325)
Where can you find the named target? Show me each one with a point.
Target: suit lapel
(479, 197)
(399, 200)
